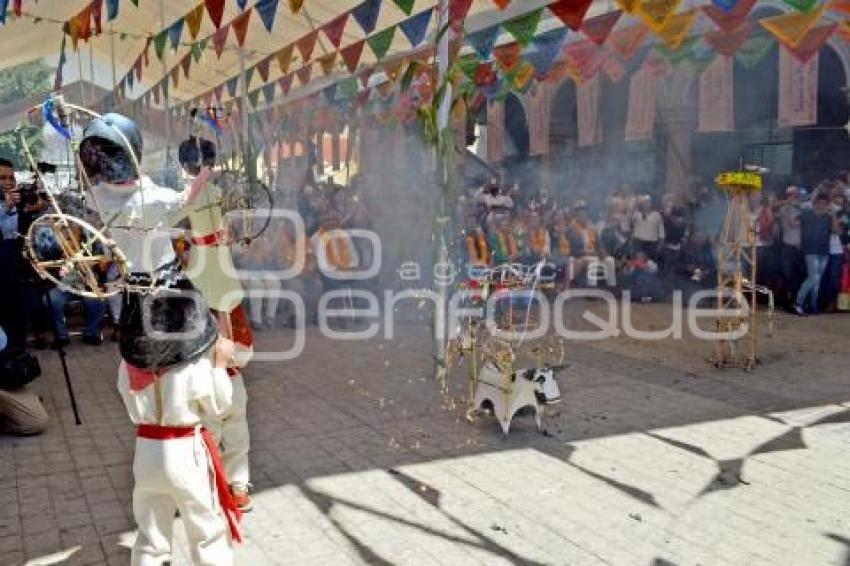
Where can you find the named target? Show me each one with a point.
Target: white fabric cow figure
(508, 393)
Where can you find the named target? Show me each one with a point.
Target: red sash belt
(231, 511)
(208, 240)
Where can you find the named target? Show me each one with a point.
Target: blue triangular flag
(241, 4)
(249, 74)
(130, 79)
(415, 27)
(4, 4)
(544, 49)
(483, 41)
(175, 31)
(267, 10)
(366, 14)
(330, 93)
(268, 92)
(231, 85)
(725, 5)
(111, 10)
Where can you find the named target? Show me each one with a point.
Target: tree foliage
(22, 83)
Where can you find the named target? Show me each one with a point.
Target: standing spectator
(831, 283)
(764, 228)
(793, 262)
(676, 232)
(12, 314)
(647, 228)
(816, 225)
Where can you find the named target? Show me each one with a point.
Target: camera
(31, 193)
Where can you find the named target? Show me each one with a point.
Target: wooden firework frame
(78, 256)
(736, 274)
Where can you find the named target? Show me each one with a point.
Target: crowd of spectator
(652, 247)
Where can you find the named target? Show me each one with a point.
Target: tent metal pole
(80, 71)
(443, 178)
(92, 92)
(112, 58)
(245, 126)
(166, 89)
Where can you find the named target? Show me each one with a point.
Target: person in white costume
(172, 380)
(212, 272)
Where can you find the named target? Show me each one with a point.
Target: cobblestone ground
(358, 459)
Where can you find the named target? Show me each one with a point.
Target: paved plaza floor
(653, 457)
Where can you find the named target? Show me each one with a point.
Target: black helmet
(104, 151)
(195, 152)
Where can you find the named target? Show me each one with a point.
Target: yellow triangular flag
(193, 20)
(656, 12)
(792, 27)
(295, 5)
(676, 29)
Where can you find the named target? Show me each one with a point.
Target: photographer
(21, 411)
(11, 263)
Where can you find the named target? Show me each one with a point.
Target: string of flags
(615, 43)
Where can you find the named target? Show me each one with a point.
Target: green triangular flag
(753, 50)
(198, 50)
(468, 64)
(523, 27)
(802, 5)
(254, 97)
(347, 89)
(405, 6)
(381, 41)
(683, 52)
(135, 3)
(159, 43)
(700, 59)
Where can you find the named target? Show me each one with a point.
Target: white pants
(233, 437)
(171, 475)
(114, 303)
(263, 283)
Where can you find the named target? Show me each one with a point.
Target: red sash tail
(225, 498)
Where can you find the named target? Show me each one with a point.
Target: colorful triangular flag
(676, 28)
(304, 74)
(268, 92)
(415, 27)
(483, 41)
(295, 5)
(729, 20)
(326, 62)
(240, 26)
(263, 68)
(458, 9)
(284, 58)
(571, 12)
(508, 55)
(754, 49)
(405, 6)
(790, 28)
(219, 39)
(626, 41)
(193, 21)
(175, 31)
(111, 10)
(656, 12)
(811, 42)
(335, 28)
(597, 29)
(523, 28)
(306, 44)
(186, 63)
(159, 43)
(802, 5)
(215, 8)
(544, 49)
(366, 15)
(727, 44)
(267, 9)
(254, 98)
(351, 55)
(232, 84)
(285, 83)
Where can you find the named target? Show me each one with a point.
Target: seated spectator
(560, 248)
(501, 240)
(591, 264)
(538, 243)
(647, 228)
(474, 246)
(640, 276)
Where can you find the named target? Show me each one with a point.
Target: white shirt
(649, 227)
(136, 219)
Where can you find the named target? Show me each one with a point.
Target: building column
(680, 126)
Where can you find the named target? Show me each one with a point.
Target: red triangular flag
(457, 13)
(219, 91)
(351, 55)
(571, 12)
(240, 26)
(507, 55)
(219, 40)
(364, 77)
(304, 74)
(728, 43)
(502, 4)
(215, 8)
(306, 44)
(334, 29)
(263, 68)
(599, 28)
(285, 83)
(731, 20)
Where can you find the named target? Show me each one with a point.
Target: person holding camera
(11, 264)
